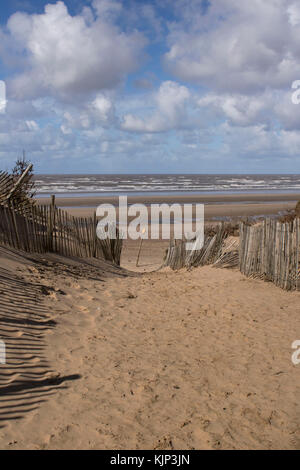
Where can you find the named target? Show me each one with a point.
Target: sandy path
(198, 359)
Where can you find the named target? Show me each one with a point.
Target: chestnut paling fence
(178, 256)
(41, 229)
(270, 251)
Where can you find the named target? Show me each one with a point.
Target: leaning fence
(41, 229)
(178, 256)
(270, 251)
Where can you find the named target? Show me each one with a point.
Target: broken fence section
(178, 257)
(269, 251)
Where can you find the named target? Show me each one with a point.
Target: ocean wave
(74, 184)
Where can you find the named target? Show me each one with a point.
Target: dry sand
(100, 358)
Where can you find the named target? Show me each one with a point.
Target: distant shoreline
(217, 206)
(74, 200)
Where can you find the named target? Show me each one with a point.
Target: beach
(138, 356)
(102, 358)
(217, 207)
(150, 227)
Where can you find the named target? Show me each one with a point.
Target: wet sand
(216, 206)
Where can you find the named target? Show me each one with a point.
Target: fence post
(95, 235)
(13, 213)
(51, 223)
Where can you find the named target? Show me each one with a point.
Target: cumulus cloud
(100, 112)
(107, 9)
(273, 109)
(286, 112)
(239, 110)
(170, 109)
(71, 54)
(258, 144)
(229, 103)
(294, 14)
(237, 46)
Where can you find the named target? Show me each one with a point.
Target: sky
(161, 86)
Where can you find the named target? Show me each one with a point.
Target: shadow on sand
(26, 379)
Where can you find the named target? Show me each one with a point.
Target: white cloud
(68, 54)
(259, 144)
(65, 104)
(2, 97)
(99, 112)
(32, 125)
(103, 109)
(107, 9)
(294, 14)
(273, 109)
(239, 110)
(170, 109)
(238, 46)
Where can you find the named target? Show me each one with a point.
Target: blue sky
(169, 86)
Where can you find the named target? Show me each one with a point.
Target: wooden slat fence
(41, 229)
(271, 251)
(178, 257)
(6, 185)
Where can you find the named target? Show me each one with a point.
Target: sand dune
(103, 359)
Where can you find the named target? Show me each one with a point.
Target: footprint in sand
(87, 297)
(164, 444)
(83, 309)
(75, 286)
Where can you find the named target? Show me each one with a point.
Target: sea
(163, 184)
